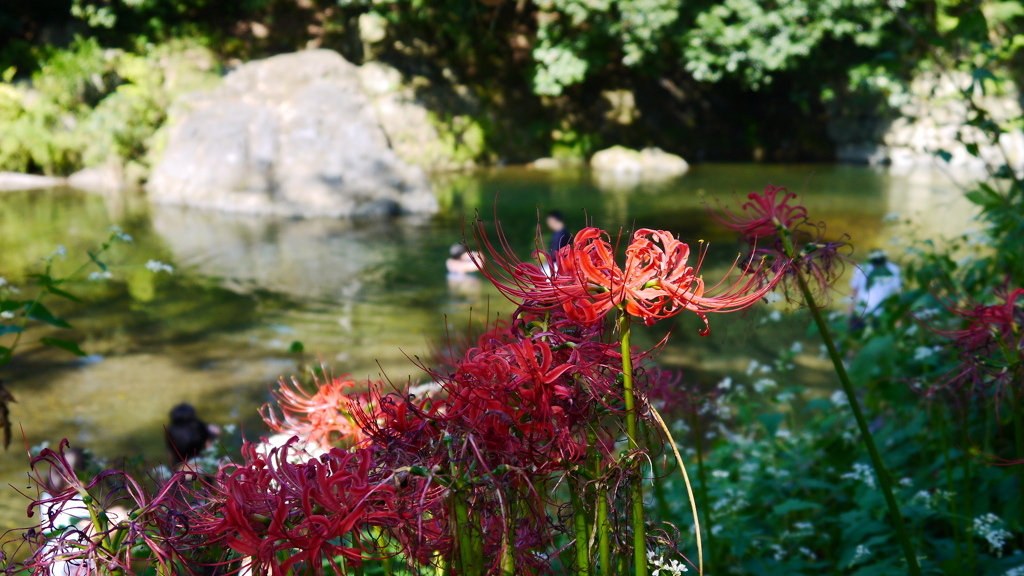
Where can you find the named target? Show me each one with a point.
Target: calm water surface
(361, 296)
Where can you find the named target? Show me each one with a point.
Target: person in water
(871, 286)
(461, 261)
(560, 236)
(187, 435)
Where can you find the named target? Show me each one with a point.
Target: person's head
(555, 220)
(877, 258)
(187, 435)
(457, 251)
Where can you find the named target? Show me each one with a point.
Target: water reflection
(362, 296)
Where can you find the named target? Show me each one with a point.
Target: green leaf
(8, 305)
(972, 149)
(794, 505)
(296, 347)
(92, 257)
(63, 294)
(66, 345)
(9, 329)
(42, 314)
(944, 155)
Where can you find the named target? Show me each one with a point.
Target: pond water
(362, 297)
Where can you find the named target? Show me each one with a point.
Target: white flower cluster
(1018, 571)
(861, 472)
(99, 276)
(925, 352)
(156, 266)
(664, 567)
(990, 527)
(764, 384)
(932, 499)
(7, 315)
(859, 555)
(839, 399)
(731, 503)
(120, 235)
(61, 252)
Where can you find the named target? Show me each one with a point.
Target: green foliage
(754, 40)
(88, 106)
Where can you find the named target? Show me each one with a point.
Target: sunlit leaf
(42, 314)
(66, 345)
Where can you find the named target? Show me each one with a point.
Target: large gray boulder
(290, 135)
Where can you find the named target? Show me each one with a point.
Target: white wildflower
(764, 384)
(989, 527)
(3, 282)
(859, 555)
(785, 397)
(427, 389)
(720, 473)
(807, 552)
(7, 315)
(725, 384)
(797, 347)
(839, 399)
(99, 276)
(906, 482)
(119, 234)
(156, 266)
(780, 553)
(1018, 571)
(783, 434)
(861, 472)
(772, 297)
(664, 567)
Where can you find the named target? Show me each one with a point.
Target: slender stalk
(884, 482)
(689, 488)
(1018, 433)
(604, 532)
(965, 439)
(463, 529)
(508, 556)
(702, 475)
(579, 523)
(632, 432)
(951, 486)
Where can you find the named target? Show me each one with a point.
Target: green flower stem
(579, 523)
(632, 432)
(463, 533)
(604, 532)
(702, 475)
(965, 440)
(876, 459)
(954, 515)
(1018, 433)
(600, 491)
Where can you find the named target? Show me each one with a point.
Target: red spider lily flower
(283, 515)
(68, 541)
(656, 282)
(779, 229)
(321, 417)
(991, 346)
(764, 214)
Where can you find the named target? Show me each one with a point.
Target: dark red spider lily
(780, 230)
(321, 417)
(283, 514)
(991, 346)
(763, 215)
(68, 538)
